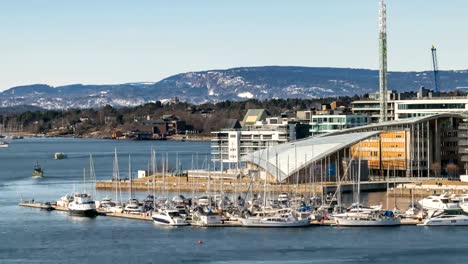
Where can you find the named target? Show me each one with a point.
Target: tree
(452, 170)
(435, 167)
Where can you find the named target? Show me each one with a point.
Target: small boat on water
(37, 172)
(82, 205)
(60, 155)
(4, 144)
(447, 217)
(168, 217)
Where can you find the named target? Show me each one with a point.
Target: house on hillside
(168, 125)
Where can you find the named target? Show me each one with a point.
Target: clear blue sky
(61, 42)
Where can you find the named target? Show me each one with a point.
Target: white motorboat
(60, 155)
(178, 199)
(65, 200)
(447, 217)
(4, 144)
(202, 217)
(439, 202)
(83, 205)
(133, 207)
(168, 217)
(115, 209)
(105, 203)
(204, 201)
(281, 218)
(362, 219)
(462, 201)
(283, 198)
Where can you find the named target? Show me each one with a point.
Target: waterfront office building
(399, 108)
(412, 147)
(229, 145)
(320, 124)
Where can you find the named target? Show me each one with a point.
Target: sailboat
(107, 204)
(284, 217)
(365, 218)
(133, 205)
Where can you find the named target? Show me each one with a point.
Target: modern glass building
(321, 124)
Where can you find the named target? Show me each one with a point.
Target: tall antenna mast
(383, 60)
(435, 65)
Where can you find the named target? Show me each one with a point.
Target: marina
(59, 226)
(227, 223)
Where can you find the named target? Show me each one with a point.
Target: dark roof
(232, 123)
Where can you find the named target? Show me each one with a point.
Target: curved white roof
(285, 159)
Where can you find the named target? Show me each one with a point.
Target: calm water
(33, 236)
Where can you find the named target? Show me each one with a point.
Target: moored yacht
(83, 205)
(3, 144)
(105, 203)
(447, 217)
(65, 200)
(133, 207)
(205, 217)
(168, 217)
(439, 202)
(279, 218)
(363, 219)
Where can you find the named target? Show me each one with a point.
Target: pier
(225, 223)
(431, 187)
(201, 185)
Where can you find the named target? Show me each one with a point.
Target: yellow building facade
(389, 151)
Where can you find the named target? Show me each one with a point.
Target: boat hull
(260, 223)
(163, 221)
(85, 213)
(367, 222)
(456, 221)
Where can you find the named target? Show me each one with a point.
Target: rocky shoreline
(105, 135)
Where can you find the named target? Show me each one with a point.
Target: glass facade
(430, 106)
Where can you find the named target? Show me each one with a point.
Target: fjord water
(30, 235)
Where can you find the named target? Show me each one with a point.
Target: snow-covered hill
(231, 84)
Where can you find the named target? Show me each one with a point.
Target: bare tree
(452, 170)
(435, 167)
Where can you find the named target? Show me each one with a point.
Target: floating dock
(226, 223)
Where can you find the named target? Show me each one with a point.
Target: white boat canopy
(282, 161)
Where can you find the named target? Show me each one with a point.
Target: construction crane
(435, 67)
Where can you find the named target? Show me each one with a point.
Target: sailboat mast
(153, 164)
(359, 179)
(265, 180)
(84, 180)
(92, 174)
(130, 175)
(209, 183)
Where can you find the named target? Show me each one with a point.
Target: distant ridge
(231, 84)
(19, 109)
